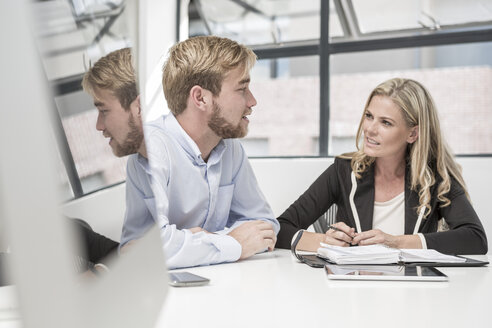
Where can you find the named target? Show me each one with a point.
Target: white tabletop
(275, 290)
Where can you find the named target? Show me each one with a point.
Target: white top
(389, 216)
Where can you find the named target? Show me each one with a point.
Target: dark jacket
(334, 186)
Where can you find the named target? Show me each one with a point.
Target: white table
(9, 308)
(275, 290)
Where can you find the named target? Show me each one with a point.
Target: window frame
(323, 48)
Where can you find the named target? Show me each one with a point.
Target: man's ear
(199, 97)
(414, 135)
(135, 106)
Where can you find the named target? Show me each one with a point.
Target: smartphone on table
(186, 279)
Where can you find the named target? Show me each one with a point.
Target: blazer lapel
(411, 204)
(364, 199)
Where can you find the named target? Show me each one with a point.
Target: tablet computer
(378, 272)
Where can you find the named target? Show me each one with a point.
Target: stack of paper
(380, 254)
(428, 255)
(373, 254)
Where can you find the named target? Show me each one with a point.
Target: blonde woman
(396, 187)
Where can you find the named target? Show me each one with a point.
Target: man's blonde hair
(113, 72)
(429, 156)
(203, 61)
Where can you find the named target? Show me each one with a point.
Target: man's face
(232, 106)
(123, 127)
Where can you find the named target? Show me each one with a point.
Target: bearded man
(206, 202)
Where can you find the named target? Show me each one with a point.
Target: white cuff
(102, 267)
(294, 237)
(225, 231)
(422, 240)
(230, 249)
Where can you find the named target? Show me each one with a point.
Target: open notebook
(380, 254)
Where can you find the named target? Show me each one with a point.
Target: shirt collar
(190, 147)
(217, 153)
(144, 163)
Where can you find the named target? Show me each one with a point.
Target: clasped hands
(343, 235)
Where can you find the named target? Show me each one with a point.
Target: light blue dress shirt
(217, 195)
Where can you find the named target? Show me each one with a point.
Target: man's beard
(224, 129)
(132, 141)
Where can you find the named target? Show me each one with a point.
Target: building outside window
(288, 88)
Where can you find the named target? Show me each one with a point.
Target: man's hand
(340, 235)
(254, 236)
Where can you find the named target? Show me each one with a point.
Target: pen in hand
(338, 229)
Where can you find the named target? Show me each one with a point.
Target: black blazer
(334, 186)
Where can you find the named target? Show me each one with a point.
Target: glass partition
(71, 35)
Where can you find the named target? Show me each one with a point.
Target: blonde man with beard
(209, 206)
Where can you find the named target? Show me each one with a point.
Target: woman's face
(386, 134)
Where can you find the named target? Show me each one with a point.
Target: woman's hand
(376, 236)
(339, 234)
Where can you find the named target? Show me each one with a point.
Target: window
(457, 76)
(286, 113)
(445, 44)
(424, 14)
(310, 85)
(257, 22)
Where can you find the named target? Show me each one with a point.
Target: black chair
(324, 221)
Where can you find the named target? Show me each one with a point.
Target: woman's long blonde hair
(428, 155)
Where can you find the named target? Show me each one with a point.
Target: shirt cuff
(230, 249)
(225, 231)
(422, 240)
